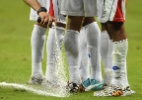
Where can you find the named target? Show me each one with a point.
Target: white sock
(54, 44)
(37, 45)
(83, 56)
(93, 44)
(106, 54)
(119, 68)
(71, 47)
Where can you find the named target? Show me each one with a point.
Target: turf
(15, 51)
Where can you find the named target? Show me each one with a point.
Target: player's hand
(46, 19)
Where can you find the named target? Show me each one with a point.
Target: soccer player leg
(83, 59)
(119, 70)
(37, 45)
(93, 44)
(71, 47)
(54, 44)
(106, 54)
(115, 27)
(120, 46)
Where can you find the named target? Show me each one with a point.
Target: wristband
(41, 9)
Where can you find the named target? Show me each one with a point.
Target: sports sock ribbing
(71, 47)
(93, 44)
(106, 54)
(37, 45)
(83, 56)
(119, 68)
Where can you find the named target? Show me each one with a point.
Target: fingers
(54, 20)
(50, 21)
(46, 19)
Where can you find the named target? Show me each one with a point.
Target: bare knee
(75, 22)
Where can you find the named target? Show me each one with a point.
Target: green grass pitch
(15, 52)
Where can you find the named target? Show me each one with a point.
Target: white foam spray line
(62, 73)
(62, 76)
(32, 89)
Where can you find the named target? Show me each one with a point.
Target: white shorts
(56, 10)
(111, 10)
(87, 8)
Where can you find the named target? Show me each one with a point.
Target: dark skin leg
(116, 30)
(104, 28)
(61, 25)
(88, 20)
(75, 23)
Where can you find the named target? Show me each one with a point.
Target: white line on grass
(30, 89)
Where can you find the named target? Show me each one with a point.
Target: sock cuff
(39, 27)
(91, 24)
(123, 44)
(120, 41)
(59, 28)
(72, 31)
(104, 32)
